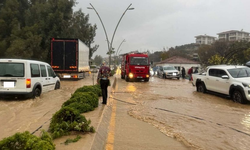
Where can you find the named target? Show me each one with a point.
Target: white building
(205, 39)
(234, 35)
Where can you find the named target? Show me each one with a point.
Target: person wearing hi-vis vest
(103, 80)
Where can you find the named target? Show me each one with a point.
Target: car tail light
(75, 76)
(28, 83)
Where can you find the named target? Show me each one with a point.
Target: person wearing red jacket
(190, 72)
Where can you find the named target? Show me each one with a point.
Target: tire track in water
(198, 118)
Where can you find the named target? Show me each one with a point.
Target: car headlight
(246, 85)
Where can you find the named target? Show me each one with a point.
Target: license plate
(139, 77)
(66, 76)
(8, 84)
(174, 74)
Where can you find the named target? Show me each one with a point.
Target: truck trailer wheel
(201, 88)
(237, 96)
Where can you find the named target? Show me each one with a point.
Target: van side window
(50, 71)
(35, 71)
(43, 71)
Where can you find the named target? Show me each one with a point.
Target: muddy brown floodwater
(29, 115)
(200, 121)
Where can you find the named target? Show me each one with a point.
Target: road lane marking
(111, 133)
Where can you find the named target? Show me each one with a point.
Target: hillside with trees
(26, 27)
(225, 52)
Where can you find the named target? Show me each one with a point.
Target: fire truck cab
(135, 66)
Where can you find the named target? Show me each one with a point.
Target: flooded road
(200, 121)
(31, 114)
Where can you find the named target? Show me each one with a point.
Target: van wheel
(36, 92)
(238, 97)
(57, 85)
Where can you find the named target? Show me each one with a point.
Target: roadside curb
(99, 139)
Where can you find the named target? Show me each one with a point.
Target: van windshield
(11, 70)
(138, 61)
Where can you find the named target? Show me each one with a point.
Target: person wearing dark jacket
(183, 72)
(103, 80)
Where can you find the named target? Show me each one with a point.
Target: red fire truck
(135, 66)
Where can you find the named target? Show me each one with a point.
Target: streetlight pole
(92, 7)
(128, 8)
(110, 49)
(119, 46)
(116, 57)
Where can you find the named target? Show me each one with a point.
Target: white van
(29, 78)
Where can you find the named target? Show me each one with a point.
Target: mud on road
(200, 121)
(33, 114)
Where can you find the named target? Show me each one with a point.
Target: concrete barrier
(101, 134)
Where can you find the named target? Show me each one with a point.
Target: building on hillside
(234, 35)
(179, 62)
(205, 39)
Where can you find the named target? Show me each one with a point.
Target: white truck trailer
(69, 58)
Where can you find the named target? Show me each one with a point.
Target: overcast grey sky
(154, 24)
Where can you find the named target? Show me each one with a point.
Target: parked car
(230, 80)
(168, 71)
(28, 78)
(151, 72)
(93, 69)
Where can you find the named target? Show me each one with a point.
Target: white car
(168, 71)
(28, 78)
(230, 80)
(93, 69)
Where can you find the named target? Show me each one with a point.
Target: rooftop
(204, 36)
(232, 31)
(178, 60)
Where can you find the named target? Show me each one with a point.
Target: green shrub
(68, 119)
(27, 141)
(98, 89)
(84, 97)
(81, 107)
(77, 100)
(112, 72)
(72, 140)
(90, 88)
